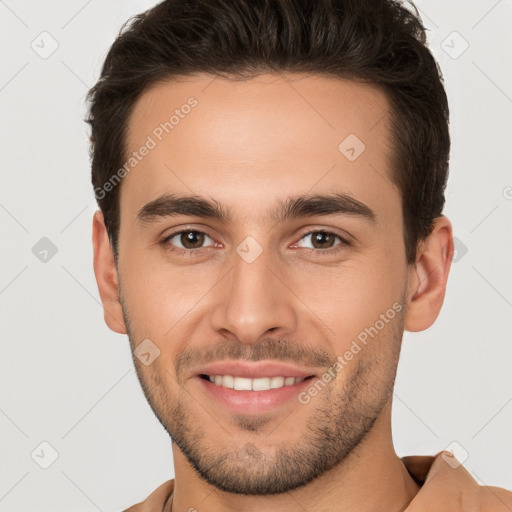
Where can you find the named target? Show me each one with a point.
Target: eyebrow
(170, 205)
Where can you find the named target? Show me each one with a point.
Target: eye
(323, 242)
(186, 240)
(190, 241)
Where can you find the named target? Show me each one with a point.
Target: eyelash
(191, 252)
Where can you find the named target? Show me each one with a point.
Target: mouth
(248, 387)
(258, 384)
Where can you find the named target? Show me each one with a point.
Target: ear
(106, 275)
(428, 277)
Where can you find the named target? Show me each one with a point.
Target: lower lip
(254, 402)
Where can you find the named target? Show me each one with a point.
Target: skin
(249, 145)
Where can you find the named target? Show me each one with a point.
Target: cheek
(159, 295)
(352, 296)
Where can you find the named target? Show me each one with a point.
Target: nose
(255, 300)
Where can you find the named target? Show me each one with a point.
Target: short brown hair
(380, 42)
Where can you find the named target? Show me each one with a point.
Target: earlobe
(428, 277)
(106, 276)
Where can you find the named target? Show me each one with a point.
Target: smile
(259, 384)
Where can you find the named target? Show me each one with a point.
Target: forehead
(258, 140)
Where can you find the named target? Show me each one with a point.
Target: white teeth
(242, 384)
(277, 382)
(228, 381)
(260, 384)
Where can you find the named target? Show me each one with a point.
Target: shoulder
(445, 484)
(495, 499)
(156, 500)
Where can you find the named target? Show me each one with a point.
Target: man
(271, 179)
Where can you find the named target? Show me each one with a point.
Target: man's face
(288, 294)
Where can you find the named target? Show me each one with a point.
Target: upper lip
(254, 370)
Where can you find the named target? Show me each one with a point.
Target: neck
(371, 479)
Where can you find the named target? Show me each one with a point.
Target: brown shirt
(445, 487)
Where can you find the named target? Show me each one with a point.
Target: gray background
(68, 381)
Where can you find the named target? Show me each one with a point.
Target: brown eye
(322, 240)
(192, 239)
(187, 240)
